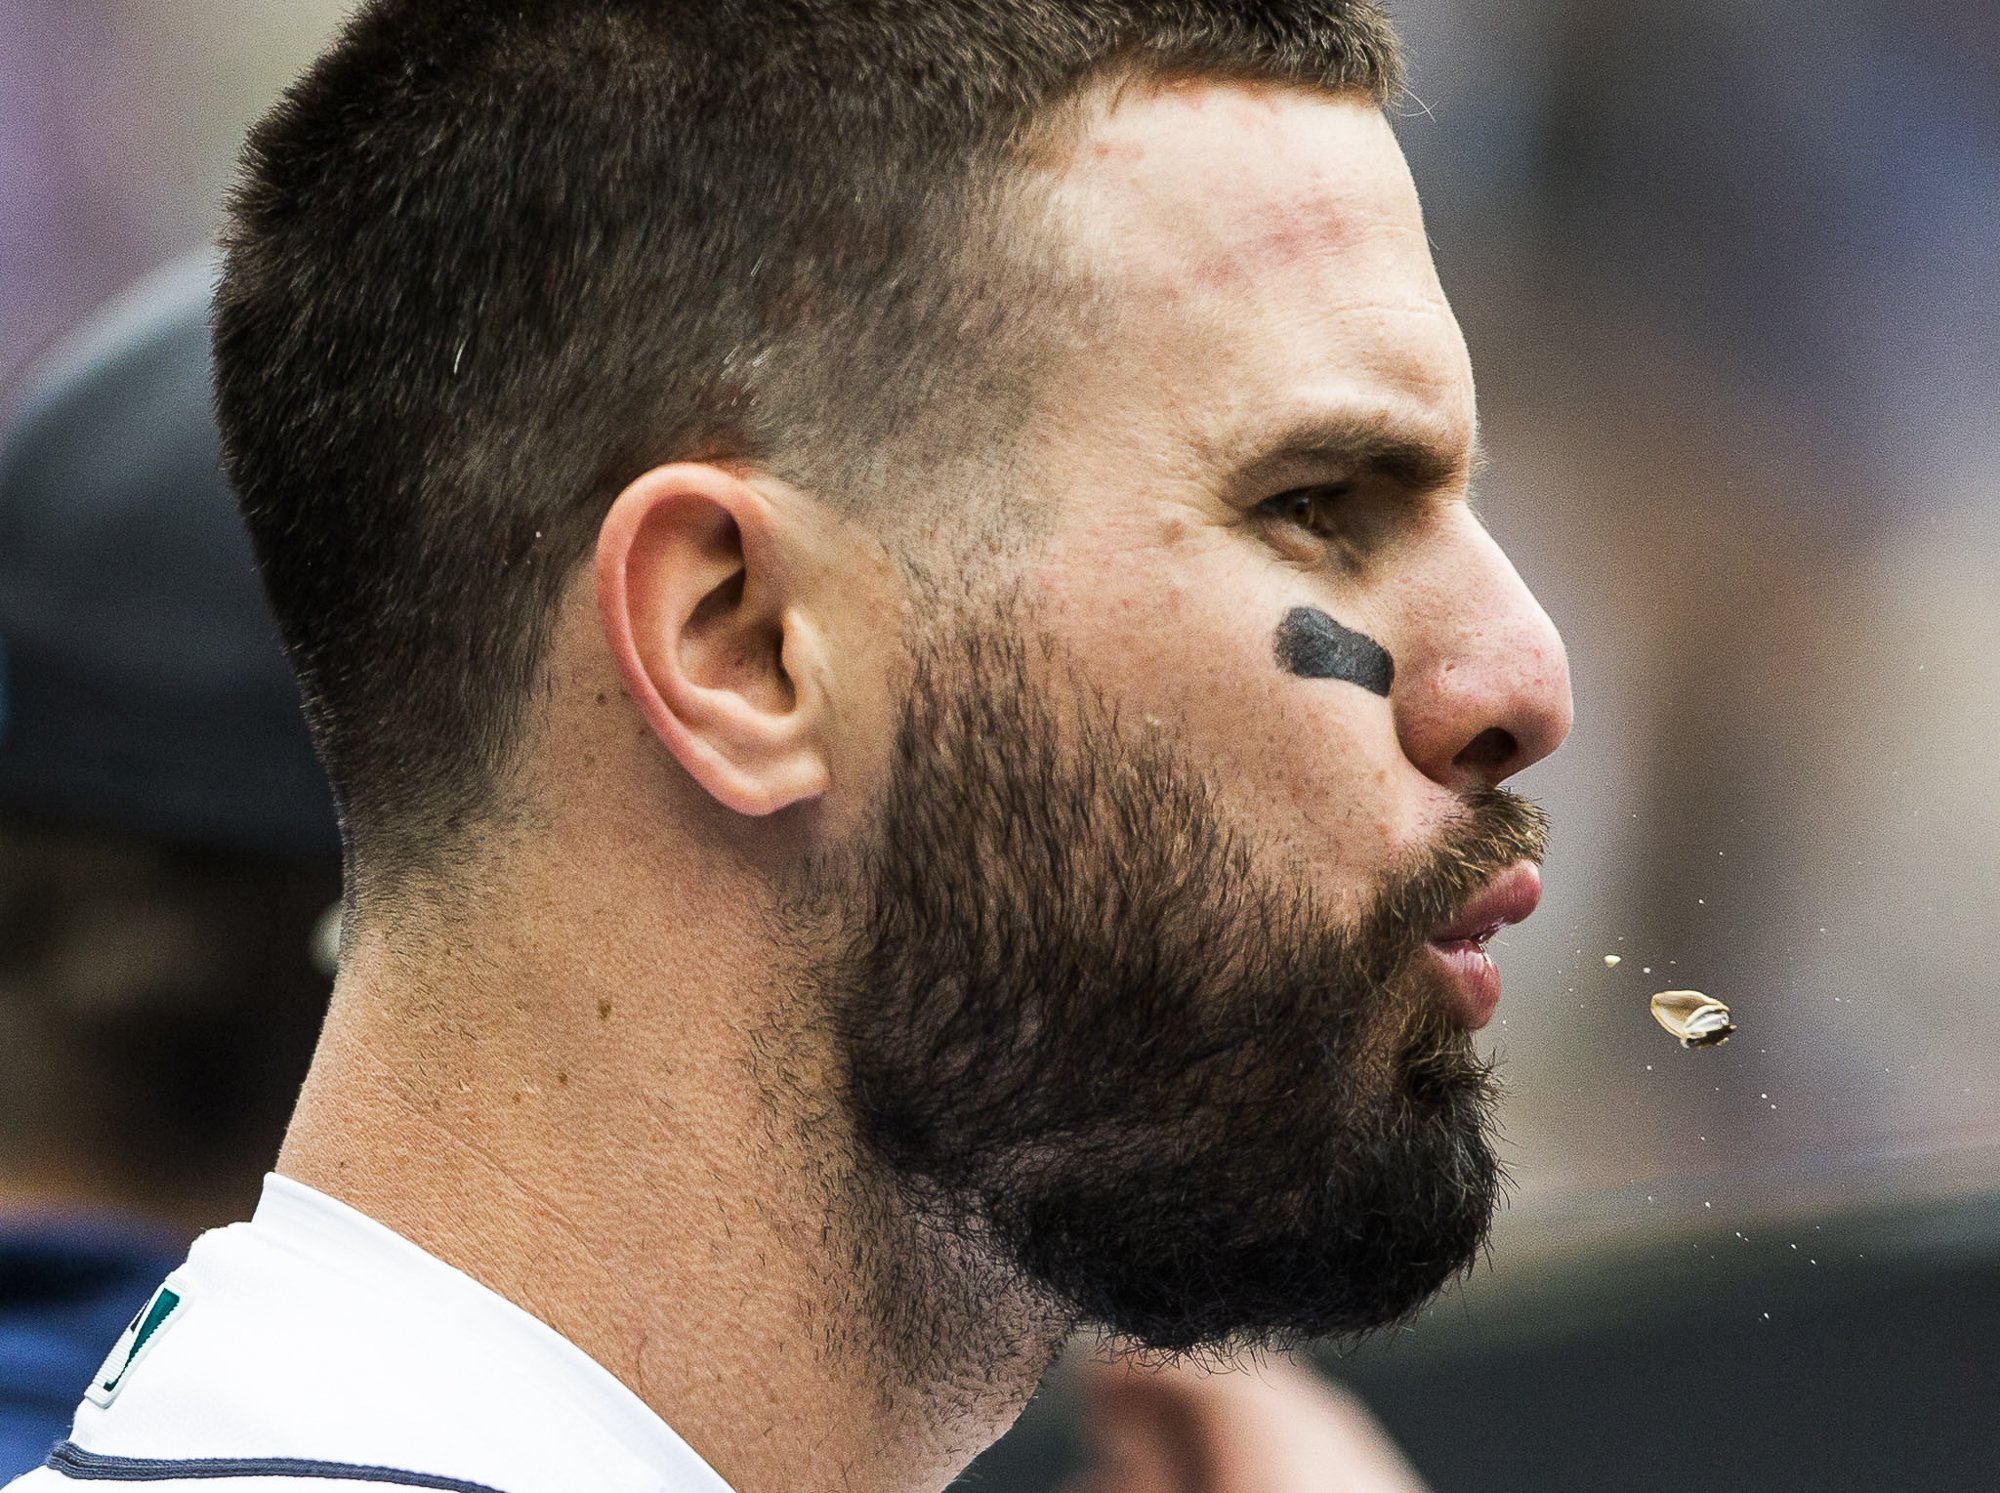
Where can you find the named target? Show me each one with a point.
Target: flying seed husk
(1696, 1019)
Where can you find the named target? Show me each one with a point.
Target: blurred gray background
(1731, 276)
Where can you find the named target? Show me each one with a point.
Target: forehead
(1261, 255)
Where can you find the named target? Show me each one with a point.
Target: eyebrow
(1419, 455)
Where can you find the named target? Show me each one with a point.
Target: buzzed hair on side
(487, 263)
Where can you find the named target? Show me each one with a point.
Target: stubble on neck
(660, 1166)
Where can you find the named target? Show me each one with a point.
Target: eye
(1314, 509)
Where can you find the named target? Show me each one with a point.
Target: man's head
(970, 498)
(491, 263)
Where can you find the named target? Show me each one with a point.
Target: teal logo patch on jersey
(154, 1317)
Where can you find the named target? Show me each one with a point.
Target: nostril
(1489, 752)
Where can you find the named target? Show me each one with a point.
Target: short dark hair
(486, 263)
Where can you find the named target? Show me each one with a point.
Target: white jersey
(312, 1348)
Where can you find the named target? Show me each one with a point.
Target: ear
(691, 593)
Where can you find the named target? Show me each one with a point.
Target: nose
(1482, 683)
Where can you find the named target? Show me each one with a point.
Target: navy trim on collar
(72, 1461)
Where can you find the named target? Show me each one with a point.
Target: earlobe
(693, 599)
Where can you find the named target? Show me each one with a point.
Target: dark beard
(1088, 1031)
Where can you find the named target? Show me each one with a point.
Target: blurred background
(1730, 270)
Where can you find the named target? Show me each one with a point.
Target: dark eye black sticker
(1312, 645)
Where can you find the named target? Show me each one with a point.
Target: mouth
(1459, 947)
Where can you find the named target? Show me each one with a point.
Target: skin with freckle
(1336, 312)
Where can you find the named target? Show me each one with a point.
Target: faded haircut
(487, 263)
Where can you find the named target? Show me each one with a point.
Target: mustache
(1494, 829)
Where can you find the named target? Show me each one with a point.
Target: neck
(646, 1152)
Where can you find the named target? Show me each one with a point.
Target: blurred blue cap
(142, 686)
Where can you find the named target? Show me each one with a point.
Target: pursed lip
(1509, 898)
(1459, 947)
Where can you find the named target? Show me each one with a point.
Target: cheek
(1312, 767)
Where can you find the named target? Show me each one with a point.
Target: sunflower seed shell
(1698, 1020)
